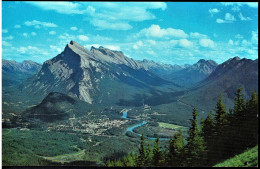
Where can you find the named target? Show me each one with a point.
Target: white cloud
(174, 42)
(112, 47)
(33, 33)
(17, 26)
(156, 32)
(229, 17)
(242, 18)
(151, 42)
(250, 4)
(52, 32)
(74, 28)
(213, 11)
(138, 44)
(230, 42)
(38, 24)
(104, 24)
(110, 15)
(254, 38)
(185, 43)
(8, 38)
(206, 43)
(22, 50)
(4, 30)
(61, 7)
(4, 43)
(197, 35)
(83, 38)
(55, 48)
(25, 34)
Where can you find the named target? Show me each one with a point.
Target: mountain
(194, 73)
(98, 76)
(14, 72)
(55, 106)
(225, 79)
(159, 68)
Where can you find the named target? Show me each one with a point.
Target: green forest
(220, 136)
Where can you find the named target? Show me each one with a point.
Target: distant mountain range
(105, 77)
(14, 72)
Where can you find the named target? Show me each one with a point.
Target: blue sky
(171, 32)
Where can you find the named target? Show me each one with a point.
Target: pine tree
(149, 156)
(195, 146)
(208, 130)
(251, 121)
(220, 116)
(141, 156)
(157, 154)
(129, 160)
(239, 116)
(176, 150)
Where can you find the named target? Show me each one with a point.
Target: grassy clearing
(170, 126)
(246, 159)
(66, 158)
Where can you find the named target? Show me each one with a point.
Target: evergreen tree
(157, 154)
(220, 116)
(251, 121)
(237, 128)
(129, 161)
(141, 156)
(195, 147)
(208, 130)
(149, 156)
(176, 150)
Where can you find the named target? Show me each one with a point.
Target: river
(131, 128)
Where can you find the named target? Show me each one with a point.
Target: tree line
(220, 136)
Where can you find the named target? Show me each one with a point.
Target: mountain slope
(247, 159)
(98, 76)
(225, 79)
(14, 72)
(193, 74)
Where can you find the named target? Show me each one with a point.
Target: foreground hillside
(247, 159)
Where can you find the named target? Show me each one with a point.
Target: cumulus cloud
(229, 18)
(185, 43)
(74, 28)
(52, 32)
(242, 18)
(17, 26)
(197, 35)
(39, 24)
(206, 43)
(156, 32)
(213, 11)
(138, 44)
(116, 14)
(83, 38)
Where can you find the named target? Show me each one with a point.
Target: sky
(168, 32)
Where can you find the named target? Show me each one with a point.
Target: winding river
(131, 128)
